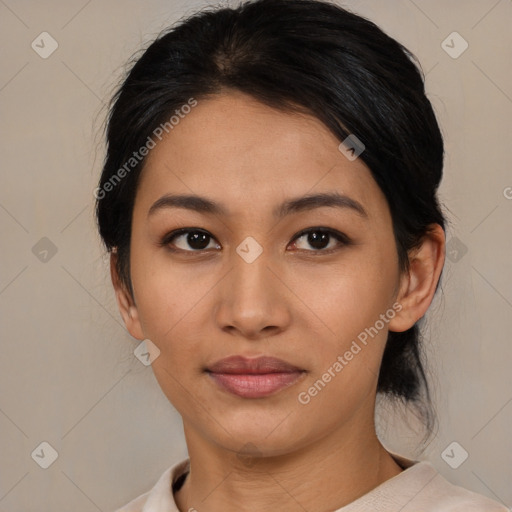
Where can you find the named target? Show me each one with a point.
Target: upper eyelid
(341, 237)
(166, 240)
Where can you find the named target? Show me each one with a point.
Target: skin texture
(295, 302)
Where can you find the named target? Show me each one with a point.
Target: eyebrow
(295, 205)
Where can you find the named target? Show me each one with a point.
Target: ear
(125, 302)
(418, 284)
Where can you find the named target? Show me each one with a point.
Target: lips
(260, 365)
(254, 378)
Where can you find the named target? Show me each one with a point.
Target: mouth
(254, 378)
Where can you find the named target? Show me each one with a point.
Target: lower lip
(255, 385)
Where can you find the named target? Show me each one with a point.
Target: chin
(269, 436)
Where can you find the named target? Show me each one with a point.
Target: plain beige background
(68, 373)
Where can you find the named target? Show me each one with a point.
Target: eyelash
(341, 238)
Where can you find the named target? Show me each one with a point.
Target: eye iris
(198, 240)
(318, 239)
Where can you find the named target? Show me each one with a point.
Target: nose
(253, 303)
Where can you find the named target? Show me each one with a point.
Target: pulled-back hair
(303, 56)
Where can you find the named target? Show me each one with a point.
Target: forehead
(231, 145)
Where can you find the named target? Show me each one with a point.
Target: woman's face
(247, 280)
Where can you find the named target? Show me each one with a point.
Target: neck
(325, 475)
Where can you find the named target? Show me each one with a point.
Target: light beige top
(419, 488)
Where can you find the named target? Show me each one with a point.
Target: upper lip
(261, 365)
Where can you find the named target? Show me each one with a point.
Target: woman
(269, 202)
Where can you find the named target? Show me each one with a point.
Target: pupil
(318, 240)
(198, 240)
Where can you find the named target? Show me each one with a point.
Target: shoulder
(441, 495)
(160, 498)
(136, 505)
(420, 487)
(427, 490)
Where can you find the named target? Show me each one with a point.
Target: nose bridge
(250, 276)
(251, 300)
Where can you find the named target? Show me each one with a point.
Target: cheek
(355, 305)
(349, 295)
(346, 362)
(173, 302)
(165, 293)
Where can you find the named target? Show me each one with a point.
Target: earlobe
(418, 284)
(125, 301)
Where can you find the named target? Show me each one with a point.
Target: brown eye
(190, 240)
(320, 239)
